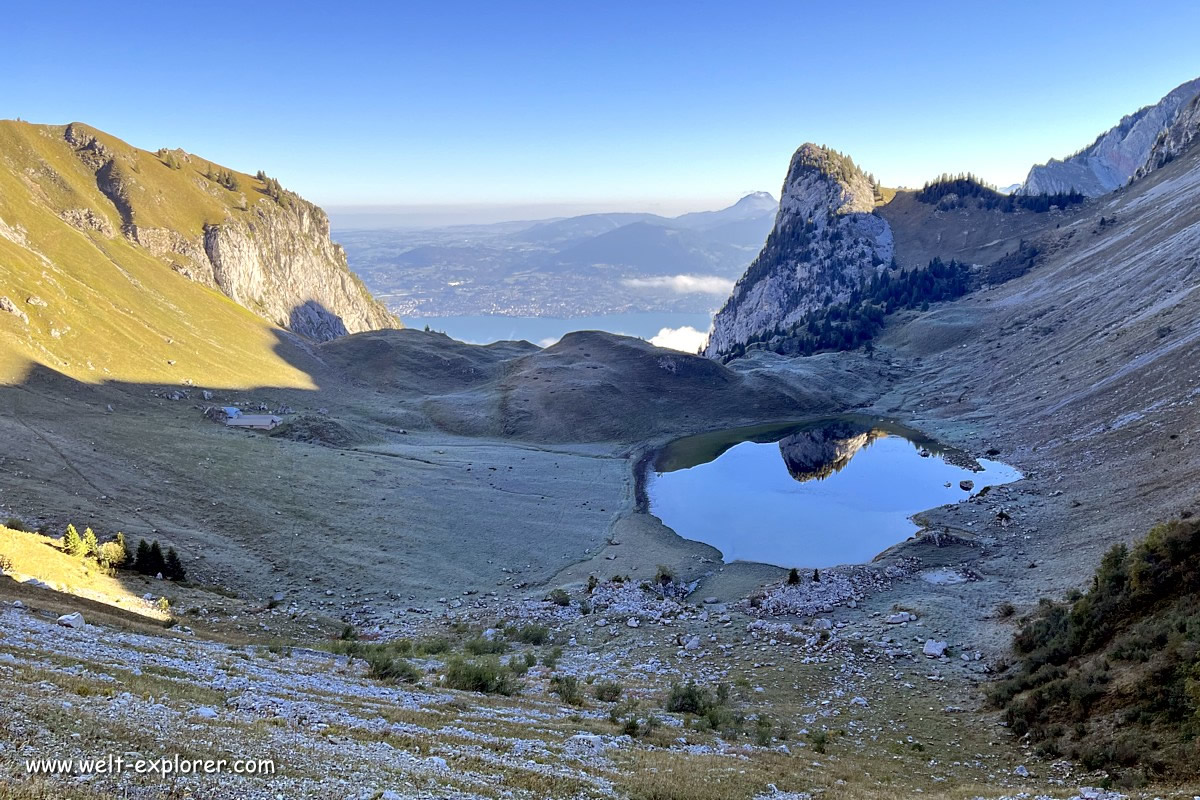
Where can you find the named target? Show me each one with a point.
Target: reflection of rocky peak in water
(817, 454)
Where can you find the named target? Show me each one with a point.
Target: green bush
(433, 646)
(559, 597)
(567, 688)
(551, 658)
(480, 646)
(690, 698)
(818, 740)
(607, 691)
(15, 524)
(384, 667)
(1110, 677)
(529, 634)
(485, 675)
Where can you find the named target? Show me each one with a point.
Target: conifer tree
(142, 561)
(173, 568)
(157, 564)
(72, 544)
(91, 547)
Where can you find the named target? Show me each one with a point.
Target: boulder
(693, 643)
(966, 486)
(204, 712)
(633, 622)
(74, 620)
(934, 649)
(901, 617)
(589, 741)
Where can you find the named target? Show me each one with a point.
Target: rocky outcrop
(1110, 161)
(827, 241)
(1176, 139)
(272, 255)
(282, 264)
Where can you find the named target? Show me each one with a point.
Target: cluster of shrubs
(965, 191)
(1110, 677)
(148, 559)
(169, 158)
(223, 177)
(274, 189)
(853, 323)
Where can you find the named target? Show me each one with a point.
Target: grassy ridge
(113, 311)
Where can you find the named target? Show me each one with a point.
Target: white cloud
(687, 339)
(549, 340)
(684, 284)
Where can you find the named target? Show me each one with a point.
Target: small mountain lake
(820, 494)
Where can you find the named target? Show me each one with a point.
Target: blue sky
(658, 106)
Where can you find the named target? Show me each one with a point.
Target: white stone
(71, 620)
(934, 649)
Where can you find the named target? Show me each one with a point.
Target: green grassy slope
(112, 309)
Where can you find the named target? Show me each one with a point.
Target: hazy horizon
(417, 216)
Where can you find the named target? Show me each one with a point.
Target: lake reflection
(809, 496)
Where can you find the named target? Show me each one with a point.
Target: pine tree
(91, 547)
(173, 568)
(142, 561)
(72, 544)
(793, 577)
(816, 576)
(156, 563)
(124, 551)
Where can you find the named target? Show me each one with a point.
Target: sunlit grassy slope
(34, 556)
(114, 311)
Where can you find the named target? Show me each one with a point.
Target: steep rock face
(281, 263)
(265, 248)
(1175, 140)
(826, 242)
(1110, 161)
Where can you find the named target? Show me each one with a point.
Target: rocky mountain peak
(820, 181)
(826, 242)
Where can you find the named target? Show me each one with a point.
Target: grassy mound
(1111, 677)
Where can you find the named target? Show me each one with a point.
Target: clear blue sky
(671, 106)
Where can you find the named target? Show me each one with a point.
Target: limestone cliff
(826, 242)
(262, 246)
(1110, 161)
(1175, 139)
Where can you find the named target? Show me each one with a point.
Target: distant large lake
(805, 496)
(483, 329)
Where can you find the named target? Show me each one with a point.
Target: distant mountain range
(573, 266)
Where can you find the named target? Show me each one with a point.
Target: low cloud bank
(687, 339)
(684, 284)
